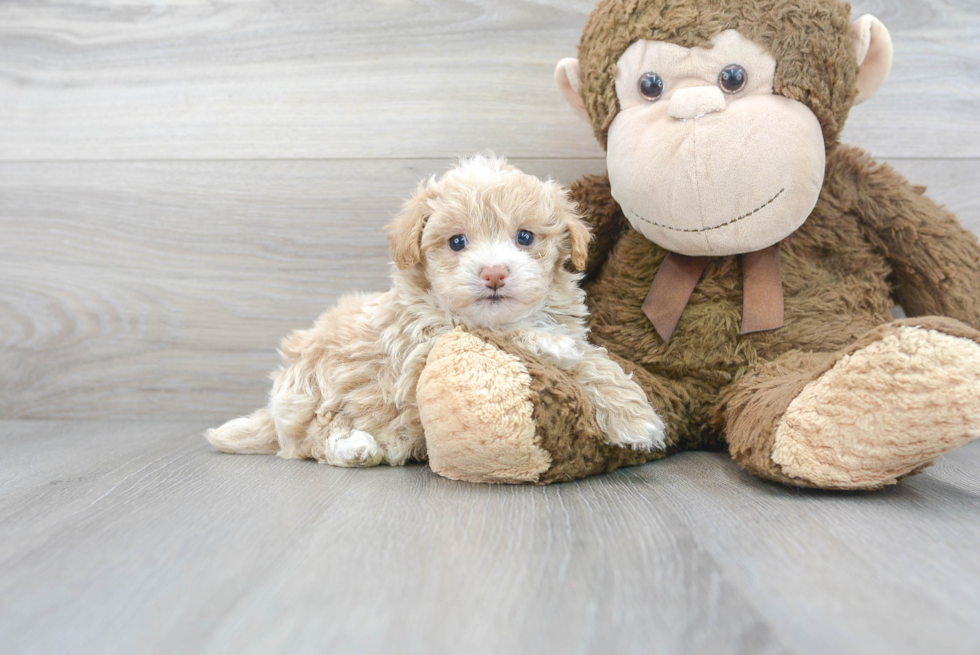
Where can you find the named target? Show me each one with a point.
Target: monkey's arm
(936, 261)
(602, 213)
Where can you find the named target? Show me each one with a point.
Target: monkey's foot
(495, 413)
(909, 392)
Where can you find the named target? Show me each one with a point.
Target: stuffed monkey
(744, 264)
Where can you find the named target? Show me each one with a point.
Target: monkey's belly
(825, 310)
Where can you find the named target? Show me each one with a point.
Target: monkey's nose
(493, 276)
(695, 102)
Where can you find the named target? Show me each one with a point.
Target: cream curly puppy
(484, 246)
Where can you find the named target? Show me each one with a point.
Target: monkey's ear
(405, 230)
(873, 47)
(567, 77)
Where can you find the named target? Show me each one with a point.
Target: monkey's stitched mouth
(715, 227)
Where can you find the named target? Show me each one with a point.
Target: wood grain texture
(183, 182)
(124, 537)
(162, 289)
(262, 79)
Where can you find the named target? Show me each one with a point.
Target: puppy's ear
(579, 234)
(405, 230)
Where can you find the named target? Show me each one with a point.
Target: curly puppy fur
(347, 393)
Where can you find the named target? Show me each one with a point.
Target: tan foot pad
(475, 405)
(883, 411)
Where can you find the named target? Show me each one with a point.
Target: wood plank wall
(183, 182)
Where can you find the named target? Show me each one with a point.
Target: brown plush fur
(535, 423)
(871, 241)
(810, 39)
(565, 425)
(869, 231)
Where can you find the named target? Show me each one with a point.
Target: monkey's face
(703, 158)
(719, 148)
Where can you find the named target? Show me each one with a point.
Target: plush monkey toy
(743, 268)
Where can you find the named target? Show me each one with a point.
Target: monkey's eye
(651, 86)
(524, 238)
(732, 78)
(457, 242)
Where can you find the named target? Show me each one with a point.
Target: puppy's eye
(524, 238)
(457, 242)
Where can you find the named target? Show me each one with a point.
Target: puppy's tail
(248, 435)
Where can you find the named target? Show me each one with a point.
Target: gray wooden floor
(183, 182)
(133, 537)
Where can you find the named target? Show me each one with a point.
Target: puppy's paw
(641, 432)
(558, 349)
(356, 448)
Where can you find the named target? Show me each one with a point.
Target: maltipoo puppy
(484, 246)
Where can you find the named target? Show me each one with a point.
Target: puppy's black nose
(493, 276)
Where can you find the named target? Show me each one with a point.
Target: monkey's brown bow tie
(762, 296)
